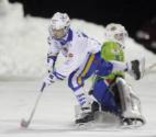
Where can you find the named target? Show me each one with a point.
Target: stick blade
(24, 123)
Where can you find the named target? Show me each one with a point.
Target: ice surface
(55, 113)
(23, 50)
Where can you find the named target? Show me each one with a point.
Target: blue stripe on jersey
(51, 57)
(81, 99)
(86, 69)
(70, 82)
(59, 76)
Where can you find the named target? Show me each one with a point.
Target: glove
(51, 78)
(50, 66)
(132, 69)
(51, 63)
(50, 69)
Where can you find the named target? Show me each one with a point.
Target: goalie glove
(136, 68)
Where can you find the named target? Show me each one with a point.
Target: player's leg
(102, 93)
(130, 103)
(76, 82)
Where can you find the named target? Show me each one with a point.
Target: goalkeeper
(111, 92)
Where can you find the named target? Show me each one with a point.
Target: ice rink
(23, 49)
(55, 113)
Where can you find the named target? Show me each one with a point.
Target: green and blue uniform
(99, 64)
(111, 51)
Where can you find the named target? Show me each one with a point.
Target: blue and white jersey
(74, 47)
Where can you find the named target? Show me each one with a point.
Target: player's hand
(50, 68)
(51, 78)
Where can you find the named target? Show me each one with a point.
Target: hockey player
(112, 92)
(74, 45)
(78, 47)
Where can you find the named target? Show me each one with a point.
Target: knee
(70, 84)
(73, 83)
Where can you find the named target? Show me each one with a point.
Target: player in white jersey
(77, 47)
(74, 45)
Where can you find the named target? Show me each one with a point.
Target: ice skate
(133, 116)
(132, 119)
(84, 114)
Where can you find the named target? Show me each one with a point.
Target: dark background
(132, 14)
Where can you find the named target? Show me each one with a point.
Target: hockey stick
(149, 68)
(25, 123)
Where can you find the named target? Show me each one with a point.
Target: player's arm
(52, 54)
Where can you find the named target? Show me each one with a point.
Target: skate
(95, 107)
(85, 116)
(132, 119)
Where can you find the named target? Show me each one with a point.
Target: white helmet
(116, 32)
(59, 26)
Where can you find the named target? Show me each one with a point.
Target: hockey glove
(51, 63)
(136, 68)
(50, 79)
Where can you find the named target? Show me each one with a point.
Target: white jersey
(75, 47)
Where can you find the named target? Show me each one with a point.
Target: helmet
(116, 32)
(59, 26)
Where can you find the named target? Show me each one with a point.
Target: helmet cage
(116, 32)
(59, 27)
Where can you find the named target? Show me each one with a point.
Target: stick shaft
(36, 104)
(149, 68)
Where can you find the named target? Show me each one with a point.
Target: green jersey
(112, 51)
